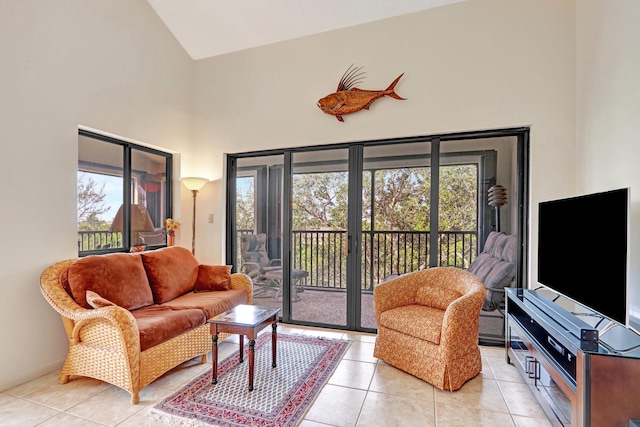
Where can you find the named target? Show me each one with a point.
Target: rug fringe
(174, 420)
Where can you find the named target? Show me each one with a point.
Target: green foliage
(91, 203)
(245, 202)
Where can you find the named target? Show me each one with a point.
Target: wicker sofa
(428, 325)
(130, 318)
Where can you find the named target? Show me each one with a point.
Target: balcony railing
(96, 240)
(323, 254)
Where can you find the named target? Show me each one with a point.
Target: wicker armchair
(428, 325)
(104, 343)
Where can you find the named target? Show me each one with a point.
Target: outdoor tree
(91, 203)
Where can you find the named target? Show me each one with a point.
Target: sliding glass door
(319, 228)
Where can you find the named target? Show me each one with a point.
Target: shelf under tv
(579, 375)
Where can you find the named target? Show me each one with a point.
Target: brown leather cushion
(172, 272)
(158, 324)
(213, 278)
(119, 278)
(213, 303)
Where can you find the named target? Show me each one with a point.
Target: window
(124, 194)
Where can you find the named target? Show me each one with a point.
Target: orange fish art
(349, 99)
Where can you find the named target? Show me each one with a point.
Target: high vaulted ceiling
(208, 28)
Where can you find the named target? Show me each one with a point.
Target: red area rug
(281, 395)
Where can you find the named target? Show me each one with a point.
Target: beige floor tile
(6, 399)
(113, 406)
(141, 419)
(337, 406)
(461, 416)
(492, 351)
(520, 400)
(477, 393)
(390, 380)
(362, 351)
(64, 396)
(35, 384)
(496, 397)
(486, 372)
(531, 422)
(325, 334)
(386, 410)
(21, 413)
(307, 423)
(503, 371)
(354, 374)
(360, 336)
(68, 420)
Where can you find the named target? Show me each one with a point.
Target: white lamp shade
(193, 183)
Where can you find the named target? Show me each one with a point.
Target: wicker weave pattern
(104, 343)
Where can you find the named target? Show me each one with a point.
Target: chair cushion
(158, 324)
(253, 249)
(436, 296)
(419, 321)
(496, 266)
(212, 303)
(172, 272)
(119, 278)
(212, 278)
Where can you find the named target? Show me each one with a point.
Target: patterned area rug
(281, 395)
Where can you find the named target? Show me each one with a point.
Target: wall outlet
(210, 218)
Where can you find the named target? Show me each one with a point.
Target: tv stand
(581, 376)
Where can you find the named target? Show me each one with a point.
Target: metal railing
(323, 254)
(95, 240)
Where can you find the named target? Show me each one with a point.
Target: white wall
(608, 115)
(475, 65)
(110, 65)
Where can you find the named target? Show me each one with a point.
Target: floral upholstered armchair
(428, 325)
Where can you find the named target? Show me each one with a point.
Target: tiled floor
(362, 392)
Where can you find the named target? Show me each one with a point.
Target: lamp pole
(193, 224)
(194, 184)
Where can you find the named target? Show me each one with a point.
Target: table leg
(274, 339)
(252, 344)
(241, 348)
(214, 358)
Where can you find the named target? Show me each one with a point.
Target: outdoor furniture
(495, 266)
(428, 325)
(266, 273)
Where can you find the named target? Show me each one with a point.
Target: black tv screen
(582, 250)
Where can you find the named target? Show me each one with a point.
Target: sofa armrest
(242, 281)
(79, 322)
(398, 292)
(460, 322)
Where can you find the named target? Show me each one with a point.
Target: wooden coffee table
(244, 320)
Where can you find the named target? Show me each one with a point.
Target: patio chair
(266, 273)
(496, 268)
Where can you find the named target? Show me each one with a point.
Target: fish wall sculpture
(350, 99)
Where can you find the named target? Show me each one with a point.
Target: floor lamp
(195, 185)
(497, 199)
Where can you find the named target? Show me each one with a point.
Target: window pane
(100, 176)
(148, 198)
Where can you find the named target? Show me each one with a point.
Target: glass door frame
(355, 208)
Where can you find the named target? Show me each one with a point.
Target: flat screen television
(583, 250)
